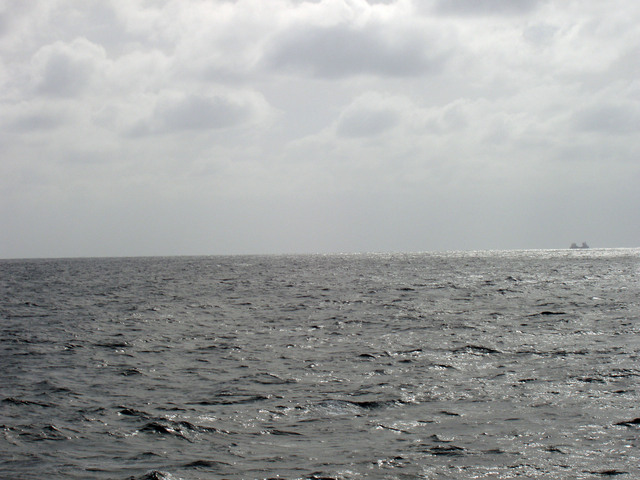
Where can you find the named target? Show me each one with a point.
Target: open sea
(458, 365)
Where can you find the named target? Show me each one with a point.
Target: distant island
(584, 245)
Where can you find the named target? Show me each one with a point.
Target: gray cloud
(195, 112)
(98, 22)
(610, 119)
(180, 112)
(540, 34)
(366, 121)
(4, 27)
(35, 122)
(485, 7)
(66, 69)
(62, 76)
(344, 50)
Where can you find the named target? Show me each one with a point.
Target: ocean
(454, 365)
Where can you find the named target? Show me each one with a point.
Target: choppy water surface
(436, 366)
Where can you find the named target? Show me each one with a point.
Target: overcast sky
(287, 126)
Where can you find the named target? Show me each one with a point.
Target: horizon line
(336, 253)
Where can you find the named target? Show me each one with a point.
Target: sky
(202, 127)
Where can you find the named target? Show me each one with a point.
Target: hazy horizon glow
(227, 127)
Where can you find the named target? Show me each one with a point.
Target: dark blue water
(436, 366)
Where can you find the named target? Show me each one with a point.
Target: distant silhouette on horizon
(584, 245)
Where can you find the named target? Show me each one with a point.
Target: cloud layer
(329, 125)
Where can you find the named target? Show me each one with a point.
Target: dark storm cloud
(485, 7)
(342, 51)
